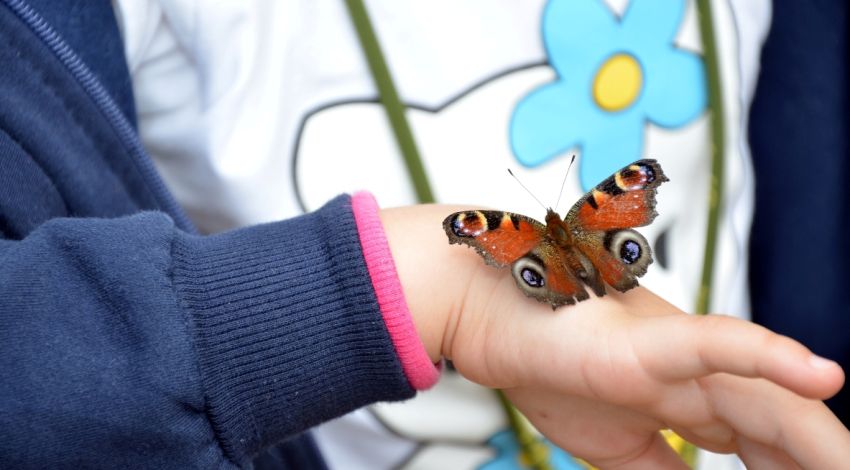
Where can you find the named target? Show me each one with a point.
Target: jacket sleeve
(127, 340)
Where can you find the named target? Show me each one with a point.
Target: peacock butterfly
(593, 245)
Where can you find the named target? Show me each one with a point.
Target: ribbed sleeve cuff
(287, 327)
(420, 371)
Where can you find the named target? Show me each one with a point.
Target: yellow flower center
(617, 83)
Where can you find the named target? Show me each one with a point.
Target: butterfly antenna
(564, 183)
(527, 190)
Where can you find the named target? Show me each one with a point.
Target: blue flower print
(509, 457)
(612, 75)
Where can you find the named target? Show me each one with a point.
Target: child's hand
(601, 378)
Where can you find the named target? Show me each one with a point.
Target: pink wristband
(417, 366)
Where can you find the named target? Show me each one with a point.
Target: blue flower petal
(650, 21)
(608, 149)
(675, 90)
(508, 455)
(577, 34)
(548, 122)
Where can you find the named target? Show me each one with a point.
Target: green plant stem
(536, 452)
(715, 185)
(390, 100)
(718, 145)
(530, 445)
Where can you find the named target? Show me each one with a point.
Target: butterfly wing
(506, 239)
(499, 237)
(625, 199)
(544, 274)
(602, 220)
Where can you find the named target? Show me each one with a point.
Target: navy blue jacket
(800, 141)
(127, 339)
(130, 341)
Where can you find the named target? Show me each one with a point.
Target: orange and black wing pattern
(544, 274)
(603, 218)
(506, 239)
(625, 199)
(619, 256)
(499, 237)
(595, 242)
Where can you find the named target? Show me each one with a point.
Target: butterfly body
(591, 246)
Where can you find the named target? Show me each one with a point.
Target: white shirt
(247, 106)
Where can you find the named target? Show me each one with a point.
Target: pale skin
(602, 377)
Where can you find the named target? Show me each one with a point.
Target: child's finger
(816, 438)
(758, 455)
(804, 429)
(606, 435)
(692, 347)
(656, 454)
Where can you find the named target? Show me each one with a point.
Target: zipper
(125, 131)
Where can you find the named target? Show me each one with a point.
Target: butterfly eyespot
(649, 172)
(467, 225)
(592, 246)
(457, 227)
(532, 278)
(529, 273)
(630, 251)
(630, 248)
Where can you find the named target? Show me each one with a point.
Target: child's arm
(602, 377)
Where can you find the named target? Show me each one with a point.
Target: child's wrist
(413, 336)
(433, 278)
